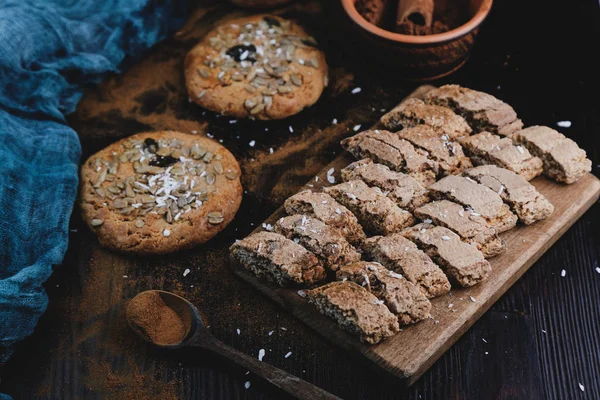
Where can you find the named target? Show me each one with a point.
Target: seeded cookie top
(247, 67)
(167, 177)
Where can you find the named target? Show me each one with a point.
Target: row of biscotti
(456, 113)
(472, 206)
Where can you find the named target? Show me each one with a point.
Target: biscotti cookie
(439, 147)
(323, 241)
(159, 192)
(278, 259)
(402, 256)
(458, 259)
(375, 212)
(324, 208)
(403, 189)
(520, 195)
(262, 67)
(479, 200)
(485, 148)
(473, 229)
(355, 310)
(563, 160)
(387, 148)
(482, 111)
(413, 112)
(402, 297)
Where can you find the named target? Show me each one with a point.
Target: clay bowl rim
(470, 25)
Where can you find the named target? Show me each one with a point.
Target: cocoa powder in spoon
(154, 319)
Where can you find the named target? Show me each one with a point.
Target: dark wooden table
(541, 340)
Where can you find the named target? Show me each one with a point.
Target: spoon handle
(287, 382)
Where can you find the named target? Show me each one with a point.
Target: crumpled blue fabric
(50, 49)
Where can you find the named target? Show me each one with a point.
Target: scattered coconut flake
(356, 128)
(334, 121)
(233, 121)
(473, 299)
(238, 331)
(331, 178)
(252, 143)
(291, 129)
(543, 331)
(187, 271)
(450, 305)
(445, 238)
(270, 150)
(598, 270)
(428, 221)
(261, 354)
(289, 353)
(520, 149)
(356, 90)
(166, 233)
(581, 387)
(247, 385)
(301, 293)
(563, 273)
(484, 341)
(564, 124)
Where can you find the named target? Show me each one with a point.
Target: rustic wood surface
(540, 340)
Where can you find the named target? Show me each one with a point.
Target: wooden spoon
(198, 336)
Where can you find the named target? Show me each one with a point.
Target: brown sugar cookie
(260, 67)
(159, 192)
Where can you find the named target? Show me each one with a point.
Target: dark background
(539, 341)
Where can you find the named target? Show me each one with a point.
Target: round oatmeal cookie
(159, 192)
(259, 4)
(262, 67)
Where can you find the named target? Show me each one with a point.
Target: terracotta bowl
(417, 57)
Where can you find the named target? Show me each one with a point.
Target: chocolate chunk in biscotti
(327, 243)
(520, 195)
(403, 189)
(324, 208)
(402, 256)
(413, 112)
(278, 259)
(448, 153)
(375, 212)
(485, 148)
(388, 148)
(473, 229)
(355, 310)
(482, 111)
(479, 200)
(461, 261)
(563, 160)
(402, 297)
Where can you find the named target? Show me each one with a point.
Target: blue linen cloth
(48, 51)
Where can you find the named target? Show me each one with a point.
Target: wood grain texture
(411, 352)
(541, 337)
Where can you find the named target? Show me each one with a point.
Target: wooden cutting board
(411, 352)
